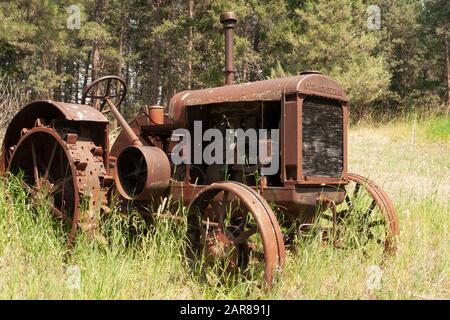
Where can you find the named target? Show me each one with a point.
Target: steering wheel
(106, 88)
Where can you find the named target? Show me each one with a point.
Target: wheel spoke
(230, 242)
(225, 199)
(219, 214)
(356, 191)
(102, 106)
(58, 186)
(59, 214)
(61, 161)
(108, 87)
(210, 224)
(35, 168)
(351, 202)
(64, 185)
(50, 162)
(245, 235)
(372, 206)
(376, 223)
(258, 255)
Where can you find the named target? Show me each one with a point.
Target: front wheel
(366, 219)
(233, 232)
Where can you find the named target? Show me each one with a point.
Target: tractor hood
(311, 83)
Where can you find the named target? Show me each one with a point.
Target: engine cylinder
(142, 173)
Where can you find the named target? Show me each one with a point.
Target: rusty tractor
(237, 216)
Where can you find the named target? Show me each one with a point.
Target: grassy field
(410, 160)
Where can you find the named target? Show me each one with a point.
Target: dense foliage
(163, 46)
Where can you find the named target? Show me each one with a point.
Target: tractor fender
(48, 110)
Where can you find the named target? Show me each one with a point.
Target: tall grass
(128, 259)
(438, 129)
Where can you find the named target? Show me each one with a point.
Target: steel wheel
(59, 174)
(366, 219)
(48, 174)
(233, 231)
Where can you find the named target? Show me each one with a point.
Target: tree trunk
(245, 70)
(45, 66)
(95, 60)
(95, 68)
(190, 45)
(86, 70)
(256, 40)
(156, 78)
(120, 62)
(447, 68)
(58, 90)
(77, 83)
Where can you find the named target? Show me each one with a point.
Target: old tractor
(237, 216)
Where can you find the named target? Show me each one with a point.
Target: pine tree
(333, 37)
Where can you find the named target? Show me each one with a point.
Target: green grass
(439, 129)
(35, 263)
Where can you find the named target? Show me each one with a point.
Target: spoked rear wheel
(60, 175)
(48, 173)
(366, 219)
(234, 233)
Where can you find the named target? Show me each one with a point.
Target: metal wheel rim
(58, 142)
(260, 211)
(378, 204)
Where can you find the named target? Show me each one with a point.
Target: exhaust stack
(228, 19)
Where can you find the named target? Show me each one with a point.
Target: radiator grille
(322, 138)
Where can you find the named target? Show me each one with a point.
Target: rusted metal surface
(267, 90)
(156, 114)
(142, 173)
(132, 138)
(295, 200)
(208, 228)
(292, 142)
(70, 111)
(67, 170)
(228, 19)
(51, 112)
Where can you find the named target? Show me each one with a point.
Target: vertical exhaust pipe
(228, 19)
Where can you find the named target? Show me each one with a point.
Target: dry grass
(405, 166)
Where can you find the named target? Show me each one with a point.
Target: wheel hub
(220, 246)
